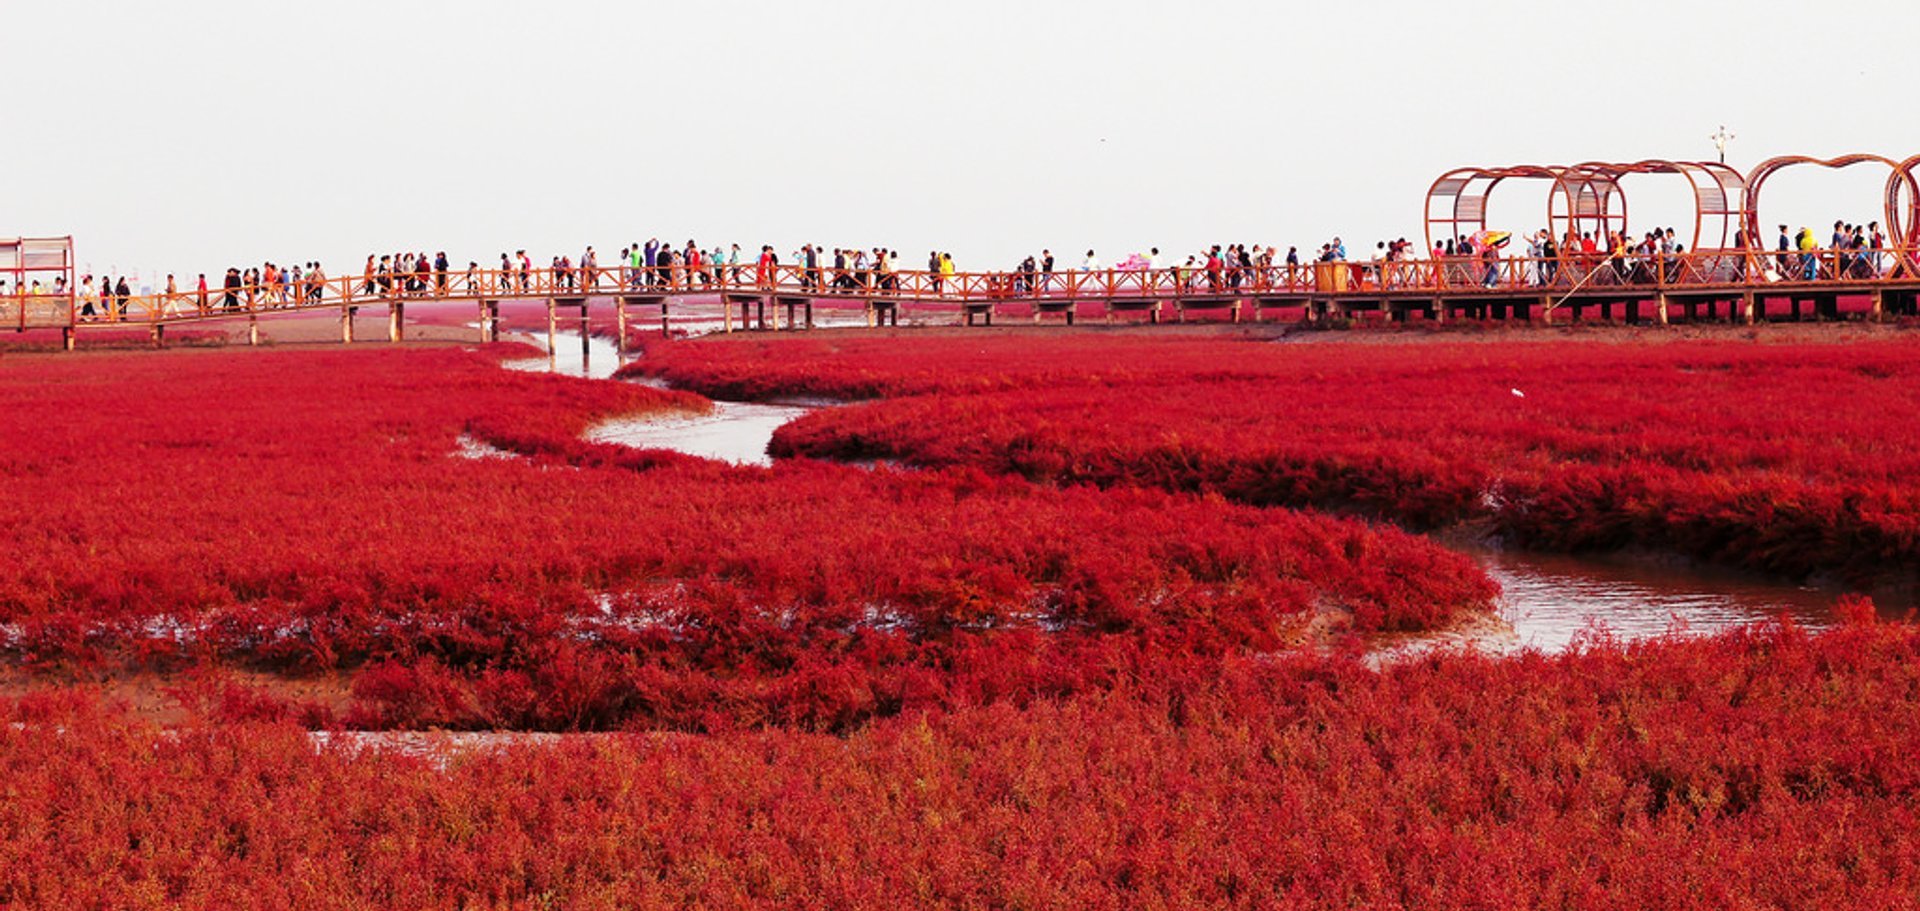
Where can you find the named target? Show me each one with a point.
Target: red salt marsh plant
(302, 510)
(1763, 768)
(1796, 458)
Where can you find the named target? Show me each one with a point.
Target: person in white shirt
(1091, 263)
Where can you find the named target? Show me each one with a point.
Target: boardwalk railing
(1457, 277)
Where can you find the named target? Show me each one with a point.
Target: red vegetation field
(1793, 458)
(304, 511)
(1759, 770)
(954, 687)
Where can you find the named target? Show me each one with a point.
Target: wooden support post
(809, 313)
(253, 330)
(666, 324)
(346, 324)
(1748, 308)
(1879, 309)
(1070, 313)
(553, 330)
(1660, 308)
(67, 338)
(870, 313)
(620, 323)
(1546, 311)
(396, 316)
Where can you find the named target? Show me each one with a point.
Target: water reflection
(595, 358)
(735, 432)
(1550, 598)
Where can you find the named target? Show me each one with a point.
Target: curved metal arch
(1903, 222)
(1464, 192)
(1587, 199)
(1719, 198)
(1757, 178)
(1591, 197)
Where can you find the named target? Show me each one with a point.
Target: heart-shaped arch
(1757, 178)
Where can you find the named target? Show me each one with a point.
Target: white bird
(1518, 394)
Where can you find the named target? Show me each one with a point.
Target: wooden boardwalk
(1714, 286)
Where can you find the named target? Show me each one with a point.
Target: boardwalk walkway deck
(1720, 286)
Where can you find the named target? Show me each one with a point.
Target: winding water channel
(1548, 601)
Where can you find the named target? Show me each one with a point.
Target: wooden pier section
(1728, 287)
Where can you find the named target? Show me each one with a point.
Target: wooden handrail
(1733, 269)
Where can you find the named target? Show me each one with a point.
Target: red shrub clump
(1794, 458)
(1762, 769)
(305, 510)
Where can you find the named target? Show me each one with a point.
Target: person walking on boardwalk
(439, 272)
(230, 286)
(171, 305)
(946, 269)
(200, 294)
(590, 270)
(933, 271)
(1809, 264)
(763, 268)
(422, 273)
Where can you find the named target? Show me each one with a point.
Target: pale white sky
(190, 136)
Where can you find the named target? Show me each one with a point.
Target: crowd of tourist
(1574, 258)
